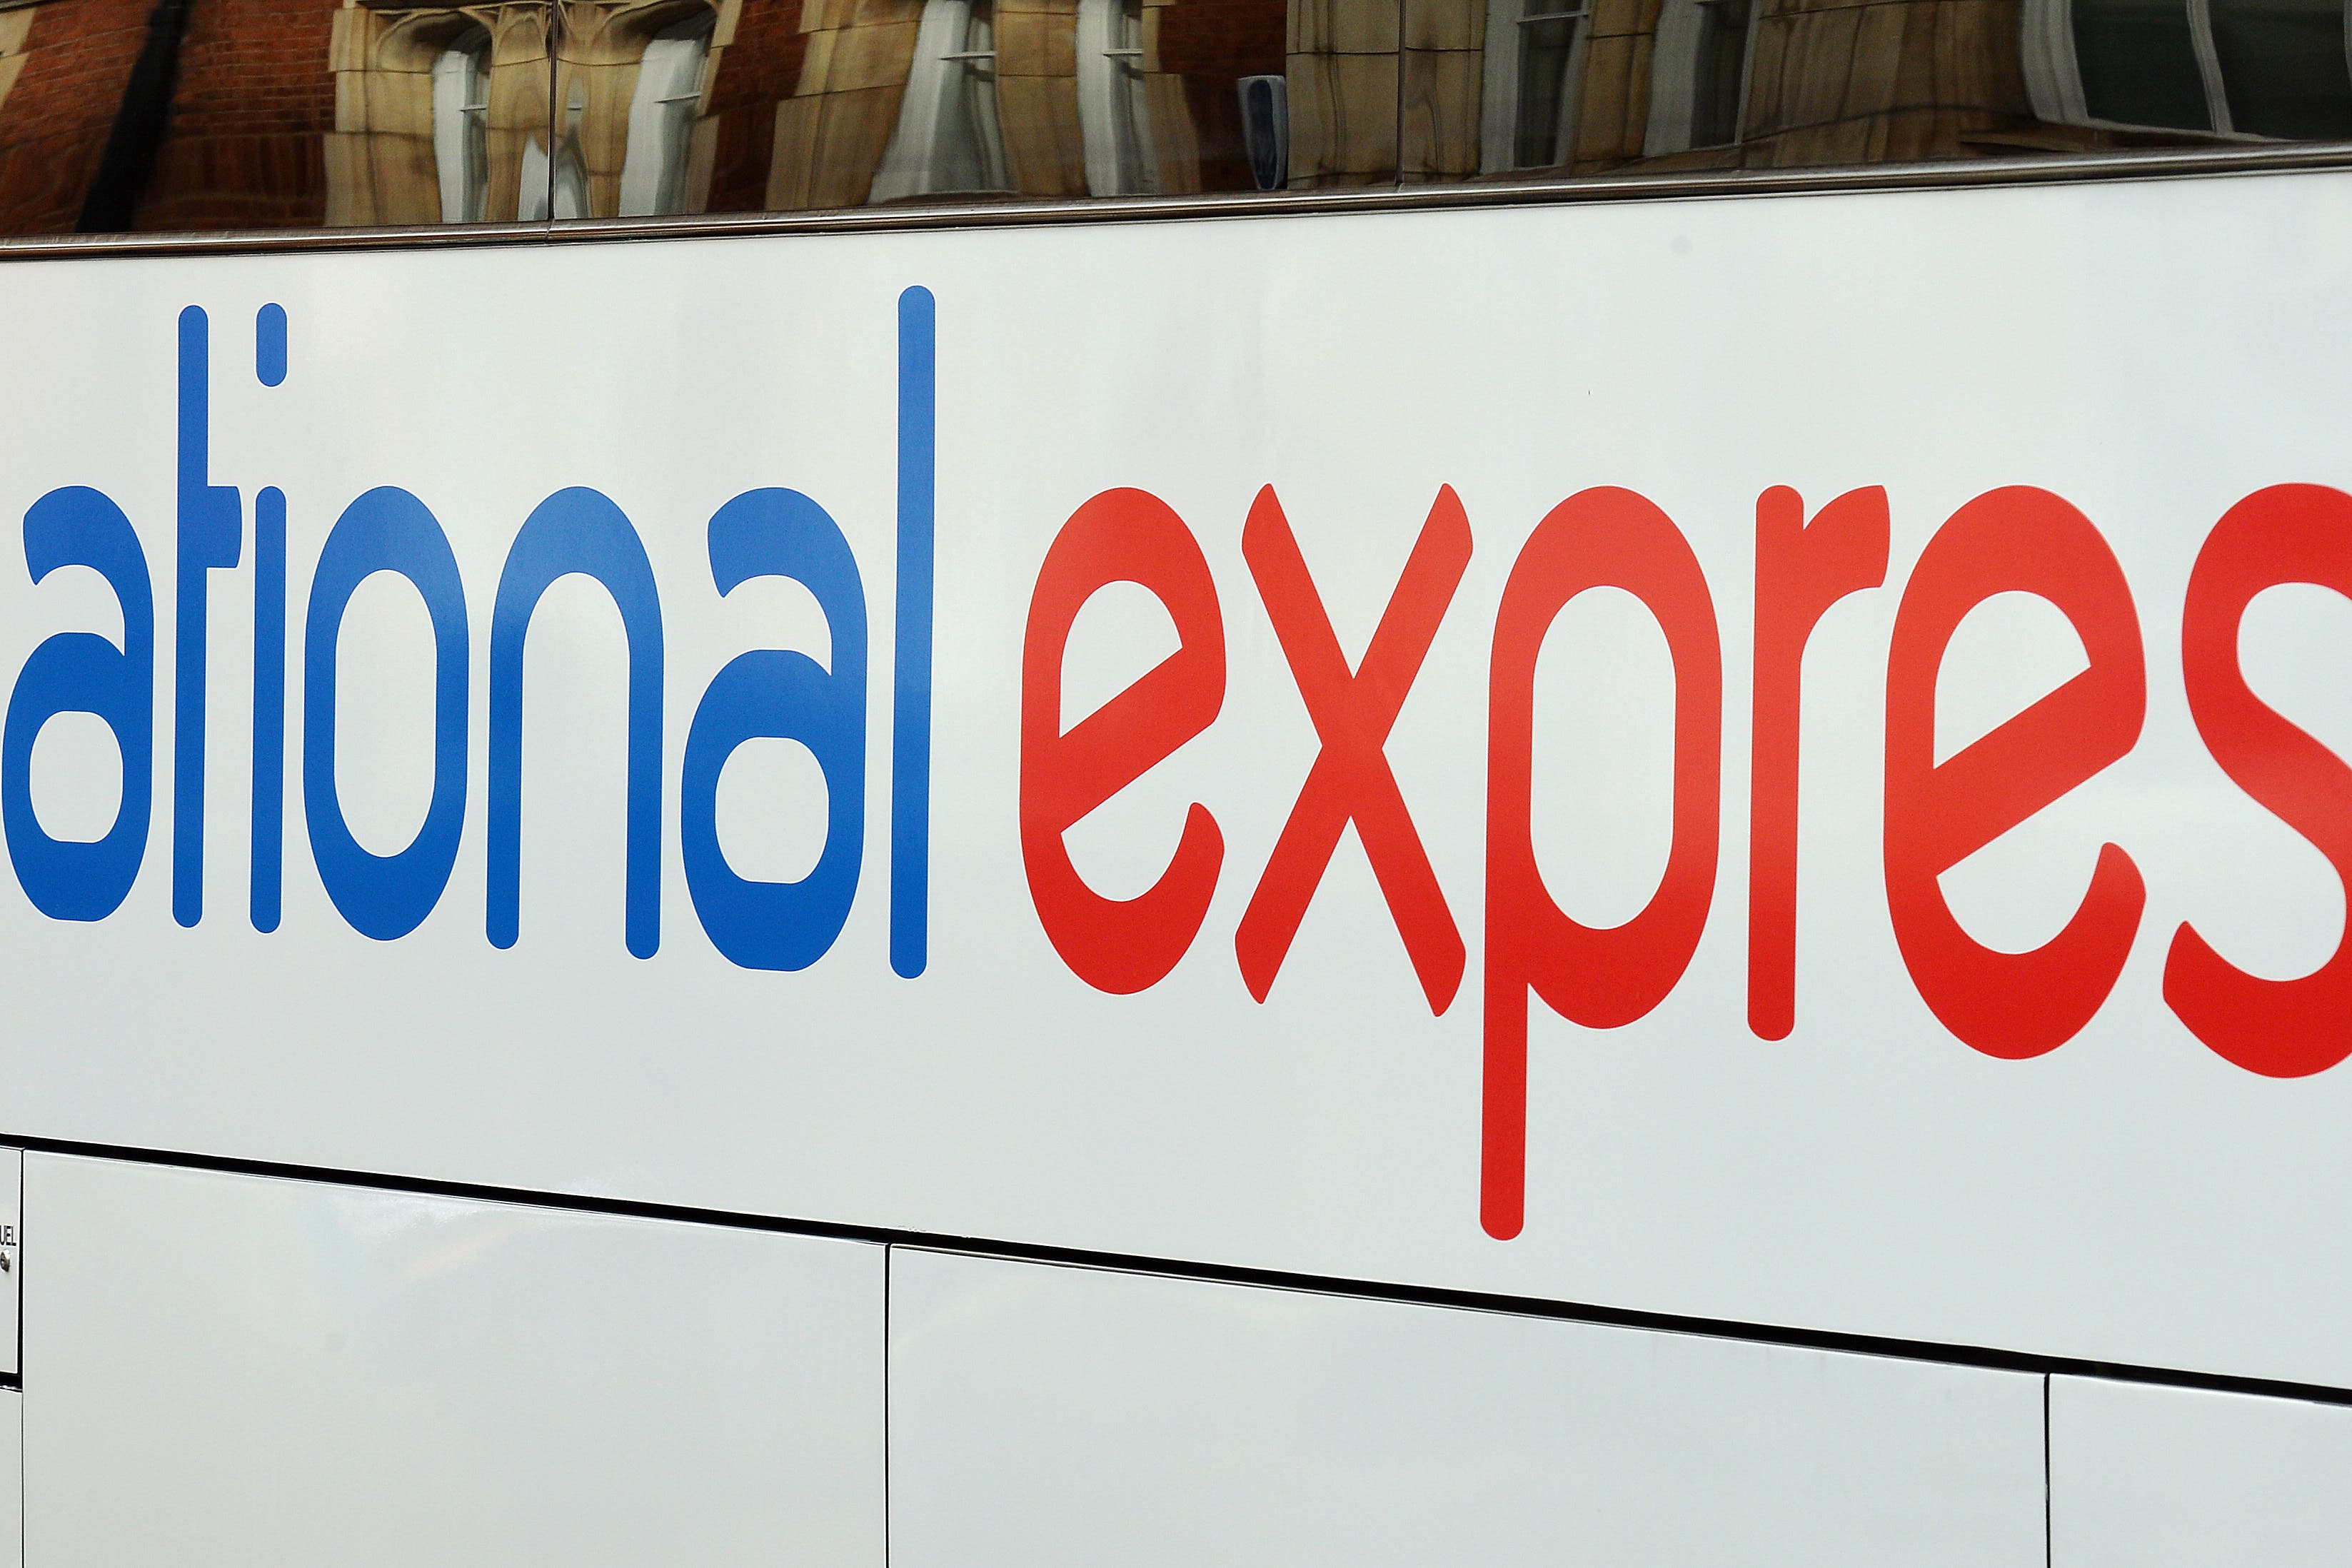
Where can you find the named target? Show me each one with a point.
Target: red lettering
(1119, 945)
(2018, 540)
(1801, 572)
(1351, 780)
(1600, 978)
(2288, 533)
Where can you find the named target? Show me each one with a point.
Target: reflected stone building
(460, 115)
(434, 111)
(193, 114)
(905, 99)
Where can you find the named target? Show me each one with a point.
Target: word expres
(2010, 1005)
(2017, 540)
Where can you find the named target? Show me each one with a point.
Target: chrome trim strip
(1975, 171)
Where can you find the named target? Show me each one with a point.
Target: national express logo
(2009, 540)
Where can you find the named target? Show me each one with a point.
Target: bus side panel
(1044, 1416)
(237, 1369)
(2176, 1478)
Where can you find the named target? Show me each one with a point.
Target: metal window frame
(1010, 212)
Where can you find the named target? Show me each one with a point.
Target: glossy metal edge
(1975, 171)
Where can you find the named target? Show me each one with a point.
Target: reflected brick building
(62, 71)
(198, 114)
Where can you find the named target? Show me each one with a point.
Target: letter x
(1350, 781)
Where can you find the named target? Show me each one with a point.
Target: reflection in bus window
(461, 107)
(1698, 75)
(262, 114)
(2138, 63)
(2272, 69)
(1111, 115)
(1544, 124)
(661, 118)
(1265, 130)
(294, 113)
(647, 118)
(430, 111)
(558, 187)
(568, 184)
(49, 163)
(1719, 74)
(949, 139)
(2283, 67)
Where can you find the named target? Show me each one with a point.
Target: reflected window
(461, 126)
(1535, 64)
(2283, 68)
(1698, 82)
(567, 186)
(661, 119)
(535, 181)
(1721, 84)
(1549, 36)
(556, 187)
(1112, 119)
(948, 138)
(2246, 68)
(1266, 129)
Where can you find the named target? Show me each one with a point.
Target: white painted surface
(234, 1370)
(2152, 352)
(1042, 1415)
(12, 1479)
(2170, 1477)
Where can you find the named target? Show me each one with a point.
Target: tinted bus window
(163, 115)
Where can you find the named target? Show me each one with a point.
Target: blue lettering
(270, 706)
(82, 672)
(268, 654)
(211, 533)
(578, 531)
(788, 694)
(764, 693)
(385, 529)
(910, 673)
(269, 345)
